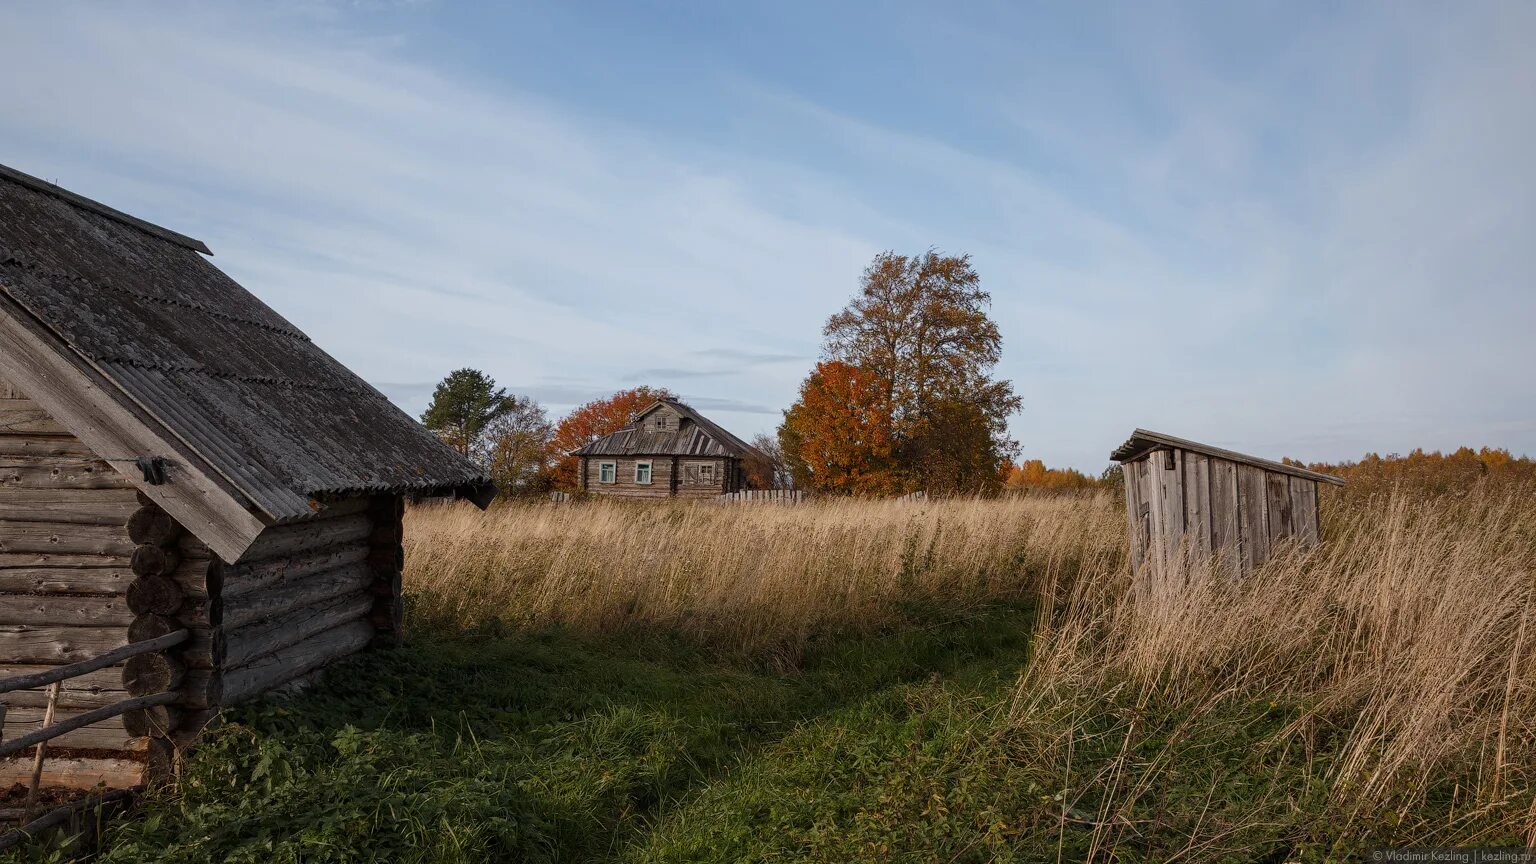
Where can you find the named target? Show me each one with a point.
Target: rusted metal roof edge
(1144, 440)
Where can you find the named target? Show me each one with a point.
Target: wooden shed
(668, 451)
(180, 468)
(1186, 498)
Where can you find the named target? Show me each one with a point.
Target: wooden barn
(183, 469)
(669, 451)
(1182, 497)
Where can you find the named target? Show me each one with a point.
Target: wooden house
(669, 451)
(175, 456)
(1185, 498)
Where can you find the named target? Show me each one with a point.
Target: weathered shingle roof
(237, 384)
(1142, 441)
(702, 437)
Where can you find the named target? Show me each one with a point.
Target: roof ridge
(1150, 440)
(84, 203)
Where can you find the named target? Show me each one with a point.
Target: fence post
(42, 749)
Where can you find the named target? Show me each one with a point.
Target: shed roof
(240, 393)
(1143, 441)
(703, 438)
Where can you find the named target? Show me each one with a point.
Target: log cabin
(1186, 499)
(668, 451)
(175, 455)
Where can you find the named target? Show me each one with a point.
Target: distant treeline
(1430, 473)
(1421, 473)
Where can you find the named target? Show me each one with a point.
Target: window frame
(650, 473)
(707, 474)
(610, 470)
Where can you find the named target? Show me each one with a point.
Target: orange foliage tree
(592, 421)
(920, 323)
(1033, 475)
(838, 434)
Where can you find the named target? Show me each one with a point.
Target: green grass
(904, 746)
(548, 746)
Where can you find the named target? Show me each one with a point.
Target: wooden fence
(765, 496)
(53, 679)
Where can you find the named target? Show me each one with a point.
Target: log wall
(65, 568)
(309, 594)
(1180, 502)
(87, 564)
(679, 476)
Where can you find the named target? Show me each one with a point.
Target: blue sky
(1290, 229)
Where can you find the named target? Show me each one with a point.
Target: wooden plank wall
(624, 485)
(1214, 505)
(688, 484)
(64, 568)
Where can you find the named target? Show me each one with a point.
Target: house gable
(82, 402)
(126, 334)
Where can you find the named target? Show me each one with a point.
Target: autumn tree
(592, 421)
(463, 405)
(919, 325)
(518, 451)
(839, 432)
(1033, 475)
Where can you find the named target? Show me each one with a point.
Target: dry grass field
(1400, 657)
(751, 578)
(967, 680)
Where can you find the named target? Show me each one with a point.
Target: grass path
(553, 747)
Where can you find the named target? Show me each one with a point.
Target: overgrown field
(868, 681)
(758, 580)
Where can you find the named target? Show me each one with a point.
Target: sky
(1300, 229)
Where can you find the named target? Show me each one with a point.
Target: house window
(607, 472)
(643, 472)
(706, 473)
(661, 422)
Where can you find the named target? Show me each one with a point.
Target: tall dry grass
(1407, 639)
(743, 577)
(1401, 653)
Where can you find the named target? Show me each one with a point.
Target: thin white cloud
(1325, 255)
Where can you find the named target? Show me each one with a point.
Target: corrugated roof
(702, 437)
(1143, 441)
(234, 381)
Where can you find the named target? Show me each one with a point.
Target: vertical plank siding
(1253, 515)
(1210, 506)
(1304, 521)
(1197, 501)
(1130, 472)
(1277, 491)
(1225, 535)
(1173, 504)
